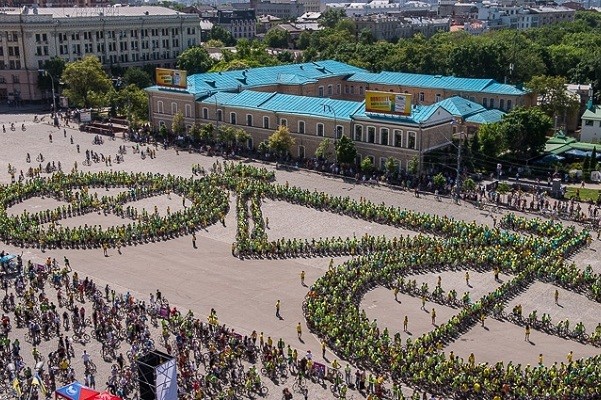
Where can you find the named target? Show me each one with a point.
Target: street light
(46, 73)
(333, 111)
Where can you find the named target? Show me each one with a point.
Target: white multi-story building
(124, 36)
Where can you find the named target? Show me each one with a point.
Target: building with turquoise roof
(327, 99)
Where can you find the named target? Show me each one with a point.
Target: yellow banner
(171, 77)
(388, 103)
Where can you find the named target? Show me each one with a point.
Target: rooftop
(592, 113)
(94, 12)
(287, 104)
(436, 82)
(291, 74)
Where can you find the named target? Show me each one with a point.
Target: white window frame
(173, 108)
(233, 118)
(320, 91)
(205, 113)
(249, 120)
(319, 128)
(266, 122)
(283, 122)
(301, 124)
(339, 131)
(160, 107)
(361, 137)
(387, 136)
(402, 136)
(367, 134)
(188, 110)
(410, 135)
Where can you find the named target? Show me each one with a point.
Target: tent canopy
(76, 391)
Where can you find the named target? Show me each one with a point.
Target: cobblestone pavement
(244, 291)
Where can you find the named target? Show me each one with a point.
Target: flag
(37, 381)
(17, 387)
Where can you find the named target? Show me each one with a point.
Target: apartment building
(314, 101)
(125, 36)
(394, 27)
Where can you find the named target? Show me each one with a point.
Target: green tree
(195, 60)
(281, 141)
(469, 185)
(224, 36)
(178, 126)
(137, 76)
(227, 135)
(207, 133)
(304, 40)
(323, 149)
(242, 136)
(525, 131)
(439, 181)
(195, 132)
(413, 166)
(285, 57)
(503, 187)
(367, 166)
(331, 17)
(132, 102)
(277, 38)
(491, 138)
(163, 131)
(263, 147)
(553, 95)
(86, 83)
(53, 69)
(346, 152)
(391, 166)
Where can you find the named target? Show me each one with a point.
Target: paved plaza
(244, 291)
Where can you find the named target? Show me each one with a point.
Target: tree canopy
(281, 141)
(137, 76)
(195, 60)
(86, 83)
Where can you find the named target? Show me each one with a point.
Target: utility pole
(458, 180)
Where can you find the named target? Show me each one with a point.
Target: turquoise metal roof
(291, 74)
(486, 117)
(345, 110)
(288, 104)
(460, 107)
(436, 82)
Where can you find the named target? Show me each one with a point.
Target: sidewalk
(24, 108)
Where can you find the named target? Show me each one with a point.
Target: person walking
(405, 324)
(299, 332)
(302, 276)
(323, 349)
(194, 239)
(556, 296)
(467, 278)
(527, 333)
(277, 309)
(433, 315)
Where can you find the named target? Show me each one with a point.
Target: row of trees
(87, 85)
(571, 50)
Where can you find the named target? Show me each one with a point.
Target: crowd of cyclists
(52, 304)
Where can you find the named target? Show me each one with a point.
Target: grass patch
(585, 194)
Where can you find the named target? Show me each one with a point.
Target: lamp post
(329, 108)
(46, 73)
